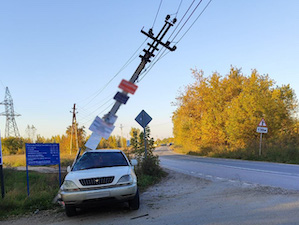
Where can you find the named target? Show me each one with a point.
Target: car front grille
(97, 181)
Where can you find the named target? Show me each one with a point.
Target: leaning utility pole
(11, 128)
(109, 118)
(103, 127)
(74, 129)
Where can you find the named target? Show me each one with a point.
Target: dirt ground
(183, 199)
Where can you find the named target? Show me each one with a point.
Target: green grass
(149, 172)
(43, 189)
(145, 181)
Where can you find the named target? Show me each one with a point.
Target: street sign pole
(145, 151)
(261, 138)
(262, 129)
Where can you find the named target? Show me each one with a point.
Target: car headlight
(69, 186)
(125, 179)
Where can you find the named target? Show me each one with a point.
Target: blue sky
(55, 53)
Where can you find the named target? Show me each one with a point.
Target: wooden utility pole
(74, 130)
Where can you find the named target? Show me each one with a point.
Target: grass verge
(149, 172)
(145, 181)
(43, 188)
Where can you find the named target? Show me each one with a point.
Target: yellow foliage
(225, 111)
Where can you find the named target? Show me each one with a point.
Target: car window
(92, 160)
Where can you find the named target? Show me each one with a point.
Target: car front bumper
(119, 193)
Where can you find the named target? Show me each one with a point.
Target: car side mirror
(68, 169)
(134, 162)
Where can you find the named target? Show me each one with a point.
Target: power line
(159, 53)
(178, 8)
(181, 19)
(187, 19)
(156, 60)
(147, 70)
(91, 107)
(195, 20)
(98, 113)
(98, 108)
(2, 84)
(128, 62)
(157, 13)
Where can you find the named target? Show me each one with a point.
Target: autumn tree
(13, 145)
(223, 112)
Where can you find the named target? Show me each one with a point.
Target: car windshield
(92, 160)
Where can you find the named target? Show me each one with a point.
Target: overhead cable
(130, 60)
(194, 21)
(157, 14)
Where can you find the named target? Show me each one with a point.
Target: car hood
(116, 172)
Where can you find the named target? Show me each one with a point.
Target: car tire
(70, 210)
(134, 203)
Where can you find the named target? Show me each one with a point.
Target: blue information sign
(42, 154)
(143, 119)
(120, 97)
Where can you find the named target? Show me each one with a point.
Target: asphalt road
(284, 176)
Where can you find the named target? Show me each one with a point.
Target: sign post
(42, 155)
(262, 129)
(1, 170)
(143, 119)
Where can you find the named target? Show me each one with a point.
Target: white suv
(100, 175)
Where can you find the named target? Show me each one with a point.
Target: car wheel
(70, 210)
(134, 203)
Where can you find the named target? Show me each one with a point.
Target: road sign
(120, 97)
(262, 130)
(128, 86)
(42, 154)
(143, 119)
(101, 128)
(262, 123)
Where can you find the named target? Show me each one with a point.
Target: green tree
(13, 145)
(148, 165)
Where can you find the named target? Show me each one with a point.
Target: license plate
(98, 195)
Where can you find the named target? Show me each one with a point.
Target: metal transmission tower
(11, 128)
(74, 130)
